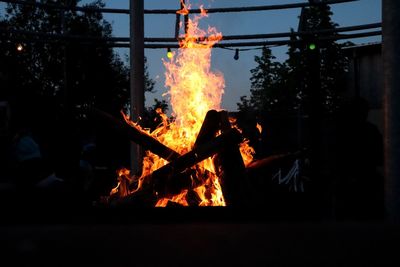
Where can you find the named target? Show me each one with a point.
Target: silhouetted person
(359, 188)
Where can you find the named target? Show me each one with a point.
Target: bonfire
(202, 140)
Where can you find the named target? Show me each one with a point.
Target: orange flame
(259, 127)
(184, 10)
(194, 89)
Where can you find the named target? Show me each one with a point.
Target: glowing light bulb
(20, 47)
(312, 46)
(169, 53)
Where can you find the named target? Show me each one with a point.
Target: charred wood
(134, 134)
(172, 204)
(209, 128)
(193, 198)
(143, 198)
(208, 131)
(175, 173)
(272, 161)
(232, 171)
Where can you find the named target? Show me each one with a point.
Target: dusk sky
(237, 73)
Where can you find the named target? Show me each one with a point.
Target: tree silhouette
(327, 56)
(285, 87)
(49, 79)
(69, 72)
(267, 85)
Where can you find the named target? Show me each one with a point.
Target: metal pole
(185, 18)
(391, 68)
(136, 74)
(65, 65)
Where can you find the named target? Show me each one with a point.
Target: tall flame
(194, 89)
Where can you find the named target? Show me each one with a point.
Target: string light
(236, 56)
(20, 47)
(312, 46)
(237, 50)
(169, 53)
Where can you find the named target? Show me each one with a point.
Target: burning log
(209, 128)
(273, 161)
(172, 204)
(141, 199)
(193, 198)
(134, 134)
(208, 131)
(176, 175)
(231, 167)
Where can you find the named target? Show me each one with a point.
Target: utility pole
(391, 70)
(136, 74)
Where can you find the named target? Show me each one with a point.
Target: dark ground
(191, 237)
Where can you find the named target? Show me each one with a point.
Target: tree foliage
(267, 84)
(333, 64)
(285, 87)
(70, 72)
(50, 78)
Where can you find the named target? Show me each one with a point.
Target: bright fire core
(194, 89)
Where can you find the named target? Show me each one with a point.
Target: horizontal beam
(271, 43)
(173, 11)
(71, 8)
(278, 35)
(253, 8)
(58, 36)
(174, 40)
(218, 45)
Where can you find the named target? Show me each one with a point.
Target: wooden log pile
(216, 138)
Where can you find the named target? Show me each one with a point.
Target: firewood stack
(180, 173)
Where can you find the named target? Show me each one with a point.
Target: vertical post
(185, 18)
(177, 22)
(356, 66)
(315, 109)
(136, 74)
(391, 68)
(65, 66)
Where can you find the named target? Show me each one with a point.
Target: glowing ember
(259, 127)
(194, 89)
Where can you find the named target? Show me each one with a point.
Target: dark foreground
(190, 237)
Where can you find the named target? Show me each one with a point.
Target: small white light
(20, 47)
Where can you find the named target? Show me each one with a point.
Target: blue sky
(237, 73)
